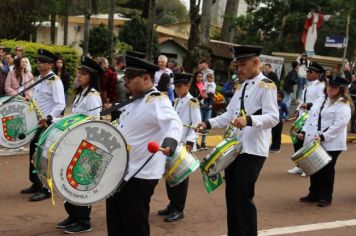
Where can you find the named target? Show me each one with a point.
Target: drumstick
(192, 127)
(153, 147)
(23, 135)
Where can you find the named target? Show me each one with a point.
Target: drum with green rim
(180, 165)
(17, 117)
(311, 158)
(221, 156)
(297, 127)
(86, 159)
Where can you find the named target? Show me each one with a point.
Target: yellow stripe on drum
(219, 153)
(307, 153)
(176, 164)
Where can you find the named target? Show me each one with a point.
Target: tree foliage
(262, 25)
(134, 33)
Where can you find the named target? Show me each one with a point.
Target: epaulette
(93, 92)
(193, 102)
(52, 79)
(267, 84)
(343, 100)
(238, 84)
(155, 96)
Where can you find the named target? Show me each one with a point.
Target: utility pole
(345, 47)
(111, 28)
(150, 25)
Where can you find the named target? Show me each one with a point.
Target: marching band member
(49, 97)
(151, 118)
(327, 123)
(87, 98)
(255, 97)
(188, 110)
(310, 94)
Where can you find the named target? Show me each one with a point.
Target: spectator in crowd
(204, 68)
(207, 103)
(290, 80)
(18, 79)
(325, 75)
(119, 66)
(197, 85)
(277, 130)
(60, 70)
(4, 69)
(164, 83)
(174, 66)
(20, 53)
(352, 90)
(162, 63)
(109, 86)
(303, 63)
(228, 88)
(10, 59)
(267, 71)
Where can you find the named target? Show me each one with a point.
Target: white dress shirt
(83, 104)
(312, 92)
(260, 93)
(188, 110)
(49, 96)
(149, 119)
(334, 119)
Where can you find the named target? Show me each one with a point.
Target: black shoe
(308, 199)
(77, 228)
(198, 147)
(30, 190)
(40, 196)
(174, 216)
(165, 212)
(203, 146)
(324, 203)
(65, 223)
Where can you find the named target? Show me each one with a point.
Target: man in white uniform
(254, 111)
(49, 97)
(151, 118)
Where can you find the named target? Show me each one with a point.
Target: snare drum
(179, 166)
(17, 117)
(86, 159)
(297, 127)
(221, 156)
(311, 158)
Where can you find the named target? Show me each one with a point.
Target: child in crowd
(277, 130)
(207, 102)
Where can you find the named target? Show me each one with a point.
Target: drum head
(89, 162)
(17, 117)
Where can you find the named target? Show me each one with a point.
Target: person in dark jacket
(290, 80)
(267, 71)
(352, 90)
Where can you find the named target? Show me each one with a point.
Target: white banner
(276, 63)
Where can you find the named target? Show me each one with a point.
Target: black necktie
(305, 95)
(242, 103)
(319, 118)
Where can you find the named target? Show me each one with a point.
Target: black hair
(280, 93)
(163, 83)
(94, 83)
(294, 64)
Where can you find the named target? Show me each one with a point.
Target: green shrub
(69, 55)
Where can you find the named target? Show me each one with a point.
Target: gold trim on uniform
(154, 96)
(267, 84)
(193, 103)
(52, 79)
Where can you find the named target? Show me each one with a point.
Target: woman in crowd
(18, 79)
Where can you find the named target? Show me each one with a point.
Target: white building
(76, 29)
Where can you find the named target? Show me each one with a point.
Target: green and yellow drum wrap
(221, 156)
(297, 127)
(311, 158)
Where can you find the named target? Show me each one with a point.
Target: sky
(186, 3)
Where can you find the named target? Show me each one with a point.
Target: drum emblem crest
(87, 166)
(12, 126)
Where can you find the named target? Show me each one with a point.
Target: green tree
(134, 33)
(99, 41)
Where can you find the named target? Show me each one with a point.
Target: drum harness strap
(242, 104)
(319, 118)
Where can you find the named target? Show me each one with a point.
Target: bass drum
(87, 159)
(17, 117)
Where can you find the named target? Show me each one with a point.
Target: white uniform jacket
(149, 119)
(312, 92)
(334, 118)
(83, 104)
(49, 96)
(260, 94)
(188, 111)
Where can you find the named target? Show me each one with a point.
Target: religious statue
(313, 22)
